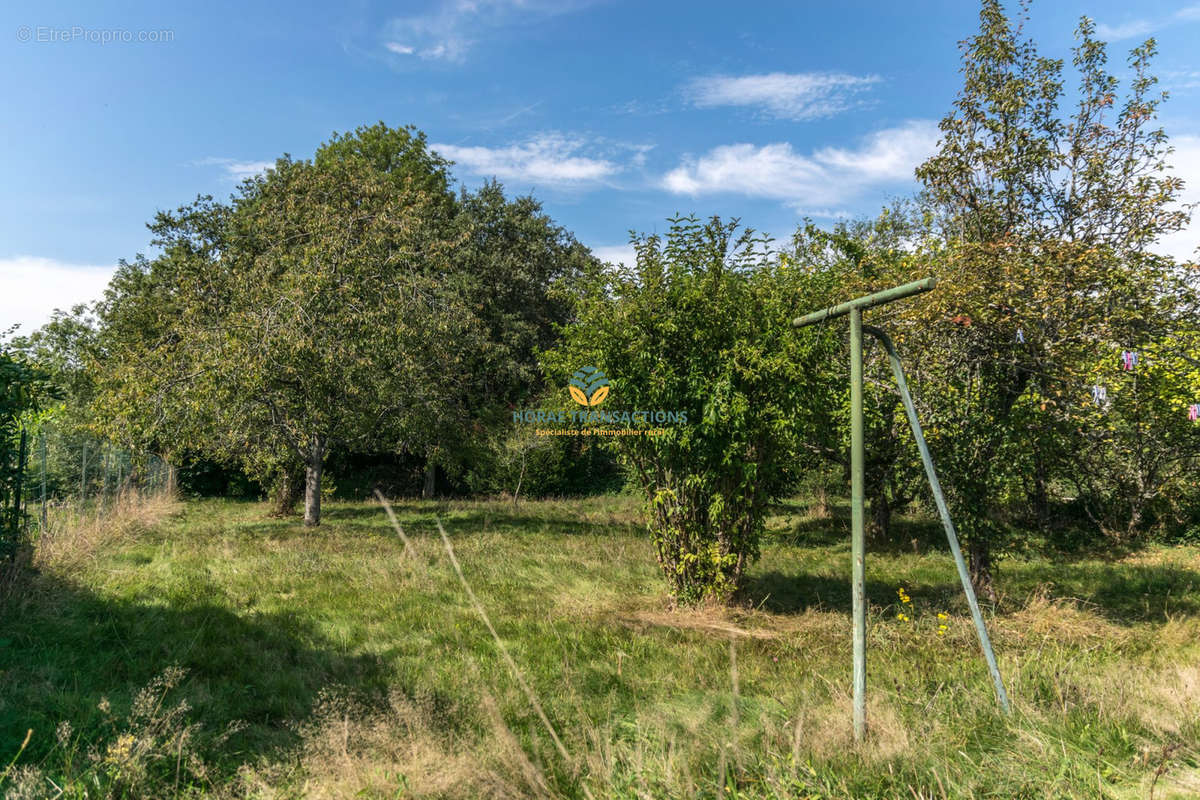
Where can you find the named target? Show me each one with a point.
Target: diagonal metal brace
(943, 511)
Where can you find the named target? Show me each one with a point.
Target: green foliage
(700, 325)
(347, 302)
(22, 388)
(520, 464)
(317, 310)
(1038, 222)
(515, 268)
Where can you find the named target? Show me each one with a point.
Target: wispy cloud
(1190, 13)
(235, 169)
(452, 28)
(797, 95)
(549, 159)
(32, 287)
(826, 177)
(1145, 26)
(1181, 79)
(1125, 30)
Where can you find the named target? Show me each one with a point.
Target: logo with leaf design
(588, 386)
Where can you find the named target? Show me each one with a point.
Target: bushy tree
(700, 325)
(349, 301)
(1039, 226)
(318, 309)
(516, 268)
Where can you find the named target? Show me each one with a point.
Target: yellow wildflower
(121, 748)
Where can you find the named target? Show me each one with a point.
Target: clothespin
(1099, 395)
(1020, 336)
(1194, 412)
(1129, 359)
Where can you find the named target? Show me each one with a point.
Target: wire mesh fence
(52, 468)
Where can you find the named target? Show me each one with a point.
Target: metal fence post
(19, 487)
(854, 309)
(83, 476)
(857, 531)
(43, 525)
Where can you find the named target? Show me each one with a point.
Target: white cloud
(616, 254)
(1186, 161)
(827, 177)
(454, 27)
(1180, 80)
(1126, 30)
(1144, 27)
(234, 169)
(797, 96)
(31, 288)
(1189, 13)
(549, 158)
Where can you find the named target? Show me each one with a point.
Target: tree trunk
(427, 491)
(1040, 498)
(312, 483)
(980, 567)
(520, 479)
(286, 493)
(881, 518)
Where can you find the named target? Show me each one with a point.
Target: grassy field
(204, 649)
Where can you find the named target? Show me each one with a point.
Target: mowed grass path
(353, 668)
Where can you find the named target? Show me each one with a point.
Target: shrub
(700, 326)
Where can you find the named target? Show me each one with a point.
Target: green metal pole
(857, 531)
(865, 302)
(935, 485)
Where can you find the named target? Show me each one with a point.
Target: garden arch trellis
(855, 308)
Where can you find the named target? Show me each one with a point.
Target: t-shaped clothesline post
(854, 309)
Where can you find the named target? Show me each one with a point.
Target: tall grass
(500, 652)
(74, 535)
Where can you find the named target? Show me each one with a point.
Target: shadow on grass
(419, 518)
(795, 593)
(907, 534)
(64, 648)
(1125, 594)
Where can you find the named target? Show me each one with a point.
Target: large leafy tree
(516, 269)
(349, 301)
(318, 309)
(1039, 224)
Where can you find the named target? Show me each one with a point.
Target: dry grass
(350, 750)
(1063, 620)
(73, 537)
(725, 621)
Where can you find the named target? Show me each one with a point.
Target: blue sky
(615, 114)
